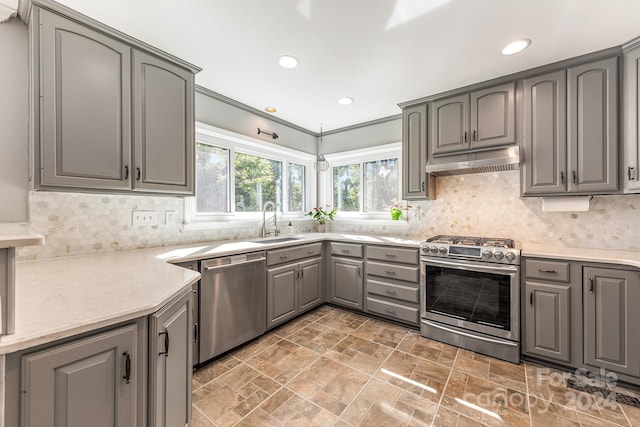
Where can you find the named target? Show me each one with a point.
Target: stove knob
(434, 249)
(443, 250)
(498, 255)
(425, 249)
(487, 254)
(510, 256)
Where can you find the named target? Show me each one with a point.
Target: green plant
(321, 214)
(397, 208)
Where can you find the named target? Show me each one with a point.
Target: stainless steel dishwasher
(232, 302)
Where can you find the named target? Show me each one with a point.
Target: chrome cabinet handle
(390, 272)
(284, 256)
(127, 367)
(547, 271)
(390, 255)
(346, 251)
(166, 343)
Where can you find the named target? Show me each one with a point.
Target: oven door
(473, 295)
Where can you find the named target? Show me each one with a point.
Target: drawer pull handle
(310, 251)
(591, 287)
(390, 255)
(629, 170)
(126, 172)
(388, 310)
(359, 271)
(561, 177)
(574, 177)
(284, 256)
(127, 367)
(547, 271)
(346, 251)
(390, 272)
(390, 291)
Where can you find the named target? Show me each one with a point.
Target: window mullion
(232, 181)
(362, 187)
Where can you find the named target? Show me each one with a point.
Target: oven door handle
(472, 266)
(478, 337)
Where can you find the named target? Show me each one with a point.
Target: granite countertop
(14, 235)
(609, 256)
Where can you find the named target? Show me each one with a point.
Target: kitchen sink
(276, 240)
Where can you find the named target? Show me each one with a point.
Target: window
(364, 182)
(237, 175)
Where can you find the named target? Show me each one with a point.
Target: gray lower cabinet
(171, 363)
(88, 382)
(346, 284)
(392, 287)
(479, 120)
(547, 314)
(416, 183)
(571, 131)
(91, 129)
(631, 116)
(293, 289)
(611, 316)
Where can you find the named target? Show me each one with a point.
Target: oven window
(482, 298)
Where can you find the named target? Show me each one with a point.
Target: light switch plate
(169, 217)
(144, 218)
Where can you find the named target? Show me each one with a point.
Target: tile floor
(332, 367)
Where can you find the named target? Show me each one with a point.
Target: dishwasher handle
(235, 264)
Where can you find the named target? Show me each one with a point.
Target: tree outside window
(257, 181)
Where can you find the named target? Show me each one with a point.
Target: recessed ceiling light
(345, 101)
(288, 61)
(516, 46)
(270, 110)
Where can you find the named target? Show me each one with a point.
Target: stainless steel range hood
(503, 159)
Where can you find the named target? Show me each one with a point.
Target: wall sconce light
(271, 134)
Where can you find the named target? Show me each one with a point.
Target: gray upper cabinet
(60, 389)
(163, 125)
(571, 131)
(611, 316)
(85, 113)
(479, 120)
(592, 131)
(416, 184)
(631, 118)
(545, 143)
(110, 113)
(171, 363)
(450, 125)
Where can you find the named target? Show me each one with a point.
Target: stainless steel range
(470, 289)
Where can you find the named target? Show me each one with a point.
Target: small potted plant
(321, 214)
(396, 210)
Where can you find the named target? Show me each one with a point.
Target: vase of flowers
(397, 208)
(322, 214)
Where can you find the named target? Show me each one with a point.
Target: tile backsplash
(485, 204)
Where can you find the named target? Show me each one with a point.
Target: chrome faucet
(264, 220)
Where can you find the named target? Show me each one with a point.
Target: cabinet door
(450, 125)
(85, 135)
(163, 126)
(545, 144)
(493, 116)
(631, 120)
(171, 364)
(415, 182)
(82, 383)
(309, 290)
(611, 316)
(282, 294)
(592, 133)
(347, 282)
(547, 316)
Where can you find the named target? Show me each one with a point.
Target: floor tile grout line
(444, 389)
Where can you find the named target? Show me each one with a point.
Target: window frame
(234, 142)
(359, 156)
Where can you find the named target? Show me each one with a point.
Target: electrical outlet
(144, 218)
(169, 217)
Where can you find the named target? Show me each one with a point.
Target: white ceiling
(379, 52)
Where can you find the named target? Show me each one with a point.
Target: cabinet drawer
(393, 271)
(279, 256)
(346, 249)
(389, 309)
(407, 256)
(391, 290)
(557, 271)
